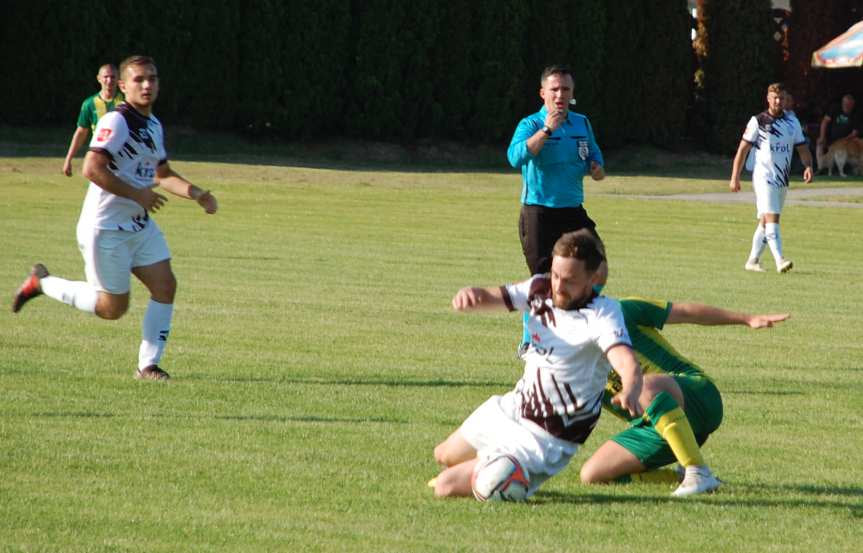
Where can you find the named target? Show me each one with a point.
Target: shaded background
(424, 70)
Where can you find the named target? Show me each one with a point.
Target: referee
(554, 148)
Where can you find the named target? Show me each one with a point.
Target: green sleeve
(645, 312)
(86, 119)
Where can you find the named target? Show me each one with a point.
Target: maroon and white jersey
(565, 366)
(135, 145)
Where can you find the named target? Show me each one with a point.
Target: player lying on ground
(682, 405)
(577, 338)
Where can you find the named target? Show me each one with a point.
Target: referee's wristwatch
(546, 130)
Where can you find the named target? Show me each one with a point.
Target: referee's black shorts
(539, 227)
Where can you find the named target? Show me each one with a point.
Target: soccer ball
(500, 478)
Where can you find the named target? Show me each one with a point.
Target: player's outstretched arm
(625, 364)
(697, 313)
(471, 298)
(171, 181)
(95, 169)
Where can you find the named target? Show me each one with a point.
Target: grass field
(316, 363)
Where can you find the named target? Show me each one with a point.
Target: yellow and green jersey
(644, 319)
(94, 107)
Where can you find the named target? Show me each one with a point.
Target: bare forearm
(697, 313)
(79, 138)
(739, 158)
(177, 185)
(473, 298)
(536, 142)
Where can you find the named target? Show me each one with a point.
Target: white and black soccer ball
(500, 478)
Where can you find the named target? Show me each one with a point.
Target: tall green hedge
(742, 59)
(372, 69)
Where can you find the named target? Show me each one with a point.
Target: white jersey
(565, 366)
(773, 141)
(135, 146)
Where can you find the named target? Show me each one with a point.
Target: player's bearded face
(571, 283)
(774, 103)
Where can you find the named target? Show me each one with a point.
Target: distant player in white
(577, 337)
(115, 233)
(774, 137)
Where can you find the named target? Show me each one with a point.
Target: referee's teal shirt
(553, 178)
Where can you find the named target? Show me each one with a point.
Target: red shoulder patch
(103, 135)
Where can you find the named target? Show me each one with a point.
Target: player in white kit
(775, 136)
(577, 337)
(115, 233)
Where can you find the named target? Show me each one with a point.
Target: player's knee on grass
(591, 473)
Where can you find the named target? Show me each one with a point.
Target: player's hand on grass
(628, 400)
(149, 200)
(208, 202)
(766, 321)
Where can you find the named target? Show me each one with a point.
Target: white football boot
(698, 479)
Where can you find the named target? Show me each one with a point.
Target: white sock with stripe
(771, 234)
(758, 243)
(154, 333)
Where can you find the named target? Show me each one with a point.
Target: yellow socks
(671, 423)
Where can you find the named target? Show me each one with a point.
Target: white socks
(78, 294)
(758, 243)
(771, 234)
(154, 333)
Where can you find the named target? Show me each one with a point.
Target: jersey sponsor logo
(103, 135)
(145, 170)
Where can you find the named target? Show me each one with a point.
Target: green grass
(316, 363)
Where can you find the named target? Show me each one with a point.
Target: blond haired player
(116, 235)
(774, 136)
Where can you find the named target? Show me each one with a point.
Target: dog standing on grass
(841, 152)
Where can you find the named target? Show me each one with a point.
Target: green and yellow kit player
(92, 109)
(682, 405)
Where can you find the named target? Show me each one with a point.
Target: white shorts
(768, 198)
(496, 427)
(110, 255)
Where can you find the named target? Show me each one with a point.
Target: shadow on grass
(73, 414)
(763, 392)
(425, 155)
(557, 497)
(387, 382)
(311, 418)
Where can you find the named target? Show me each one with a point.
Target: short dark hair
(583, 245)
(554, 70)
(135, 60)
